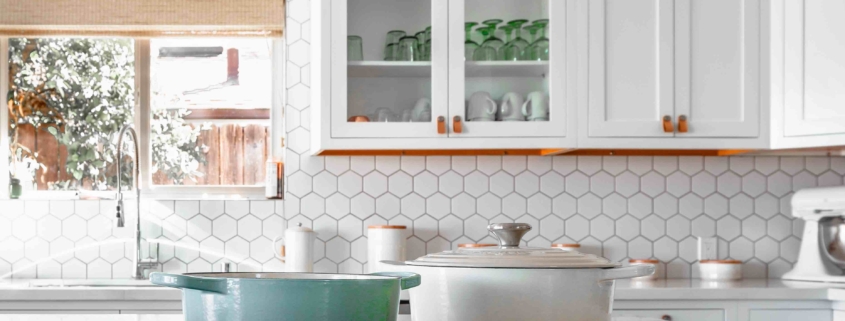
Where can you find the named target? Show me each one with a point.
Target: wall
(618, 207)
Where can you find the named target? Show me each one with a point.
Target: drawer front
(674, 315)
(790, 315)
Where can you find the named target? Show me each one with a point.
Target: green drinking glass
(491, 40)
(391, 44)
(539, 50)
(354, 48)
(485, 52)
(408, 49)
(420, 38)
(519, 44)
(469, 45)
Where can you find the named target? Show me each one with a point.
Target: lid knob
(509, 234)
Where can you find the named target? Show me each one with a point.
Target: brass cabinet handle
(441, 125)
(666, 317)
(667, 124)
(456, 125)
(682, 124)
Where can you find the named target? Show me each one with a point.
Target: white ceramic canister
(720, 270)
(658, 269)
(384, 243)
(298, 249)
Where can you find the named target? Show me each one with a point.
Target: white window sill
(156, 193)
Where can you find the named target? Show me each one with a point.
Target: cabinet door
(630, 67)
(401, 97)
(814, 67)
(790, 315)
(673, 315)
(717, 61)
(510, 79)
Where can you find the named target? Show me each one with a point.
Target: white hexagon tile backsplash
(618, 207)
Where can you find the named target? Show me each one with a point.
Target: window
(203, 117)
(210, 109)
(67, 98)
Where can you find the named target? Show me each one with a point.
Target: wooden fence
(235, 156)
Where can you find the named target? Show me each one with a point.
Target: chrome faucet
(138, 265)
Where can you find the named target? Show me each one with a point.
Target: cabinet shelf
(376, 69)
(474, 69)
(507, 68)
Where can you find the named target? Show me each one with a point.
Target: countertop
(750, 289)
(132, 290)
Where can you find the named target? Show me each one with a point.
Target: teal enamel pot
(289, 296)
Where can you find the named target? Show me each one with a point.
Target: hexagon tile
(618, 207)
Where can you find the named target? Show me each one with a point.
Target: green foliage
(82, 92)
(174, 145)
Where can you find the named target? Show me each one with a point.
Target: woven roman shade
(142, 18)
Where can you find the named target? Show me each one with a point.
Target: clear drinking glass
(469, 45)
(539, 50)
(408, 49)
(485, 52)
(354, 48)
(390, 45)
(426, 52)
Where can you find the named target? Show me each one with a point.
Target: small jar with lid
(720, 270)
(658, 269)
(567, 246)
(475, 245)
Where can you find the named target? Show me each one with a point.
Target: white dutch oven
(513, 283)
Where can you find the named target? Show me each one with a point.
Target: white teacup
(421, 111)
(536, 108)
(481, 107)
(511, 107)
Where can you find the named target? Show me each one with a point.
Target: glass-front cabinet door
(510, 62)
(388, 68)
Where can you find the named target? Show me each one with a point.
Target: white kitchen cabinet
(343, 90)
(692, 61)
(674, 315)
(717, 67)
(630, 67)
(815, 67)
(740, 74)
(808, 73)
(790, 315)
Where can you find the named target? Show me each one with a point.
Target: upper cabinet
(549, 76)
(442, 74)
(510, 83)
(631, 48)
(814, 67)
(673, 69)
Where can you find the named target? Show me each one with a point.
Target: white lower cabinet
(729, 310)
(674, 315)
(790, 315)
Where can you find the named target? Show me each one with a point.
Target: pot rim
(294, 276)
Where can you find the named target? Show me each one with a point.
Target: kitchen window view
(209, 111)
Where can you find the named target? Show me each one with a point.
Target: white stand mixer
(822, 254)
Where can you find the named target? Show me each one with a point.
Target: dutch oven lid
(509, 255)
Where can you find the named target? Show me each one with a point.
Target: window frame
(142, 125)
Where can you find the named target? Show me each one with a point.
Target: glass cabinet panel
(392, 53)
(508, 67)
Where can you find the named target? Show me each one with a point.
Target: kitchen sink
(90, 283)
